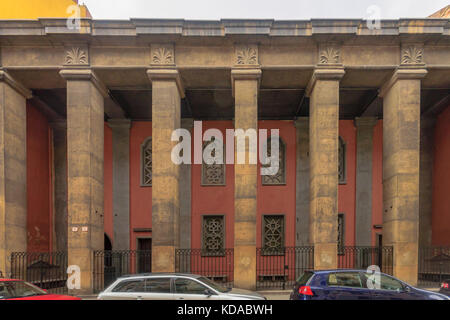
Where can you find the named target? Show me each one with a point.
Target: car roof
(336, 270)
(160, 274)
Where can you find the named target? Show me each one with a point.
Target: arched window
(146, 163)
(213, 174)
(279, 177)
(342, 167)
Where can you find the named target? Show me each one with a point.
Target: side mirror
(407, 289)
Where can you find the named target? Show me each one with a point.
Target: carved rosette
(76, 56)
(246, 55)
(329, 55)
(412, 55)
(162, 55)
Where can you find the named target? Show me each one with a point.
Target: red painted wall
(39, 217)
(279, 199)
(108, 184)
(377, 179)
(216, 200)
(347, 192)
(441, 180)
(140, 197)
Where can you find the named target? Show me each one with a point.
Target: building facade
(87, 118)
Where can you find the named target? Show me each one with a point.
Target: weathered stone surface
(121, 182)
(246, 85)
(401, 162)
(185, 196)
(13, 170)
(323, 147)
(85, 153)
(364, 149)
(166, 91)
(60, 184)
(302, 183)
(426, 179)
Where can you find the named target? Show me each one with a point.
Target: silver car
(172, 286)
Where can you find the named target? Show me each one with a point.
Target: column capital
(366, 121)
(166, 74)
(119, 123)
(403, 73)
(85, 74)
(17, 86)
(334, 72)
(245, 73)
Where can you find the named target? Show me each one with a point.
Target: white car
(172, 286)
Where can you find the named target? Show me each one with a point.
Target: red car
(11, 289)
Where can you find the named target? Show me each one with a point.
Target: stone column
(121, 182)
(401, 159)
(302, 183)
(245, 88)
(426, 179)
(185, 197)
(167, 92)
(323, 90)
(13, 170)
(364, 151)
(60, 184)
(85, 145)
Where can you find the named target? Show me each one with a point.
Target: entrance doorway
(144, 246)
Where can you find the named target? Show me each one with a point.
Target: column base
(163, 258)
(325, 256)
(245, 267)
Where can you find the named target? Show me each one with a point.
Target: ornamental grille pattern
(146, 163)
(280, 176)
(341, 235)
(273, 234)
(213, 174)
(342, 165)
(213, 235)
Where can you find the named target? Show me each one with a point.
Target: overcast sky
(253, 9)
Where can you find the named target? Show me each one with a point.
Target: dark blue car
(356, 285)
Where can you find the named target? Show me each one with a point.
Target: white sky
(259, 9)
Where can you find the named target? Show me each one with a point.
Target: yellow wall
(34, 9)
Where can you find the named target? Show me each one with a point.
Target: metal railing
(110, 265)
(47, 270)
(354, 257)
(279, 269)
(217, 266)
(434, 265)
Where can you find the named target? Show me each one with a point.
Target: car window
(385, 282)
(130, 286)
(188, 286)
(19, 289)
(304, 278)
(345, 279)
(157, 285)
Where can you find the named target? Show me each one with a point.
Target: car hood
(48, 297)
(245, 294)
(433, 295)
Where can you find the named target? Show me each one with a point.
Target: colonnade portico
(171, 69)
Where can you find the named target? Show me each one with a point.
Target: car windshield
(19, 289)
(213, 285)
